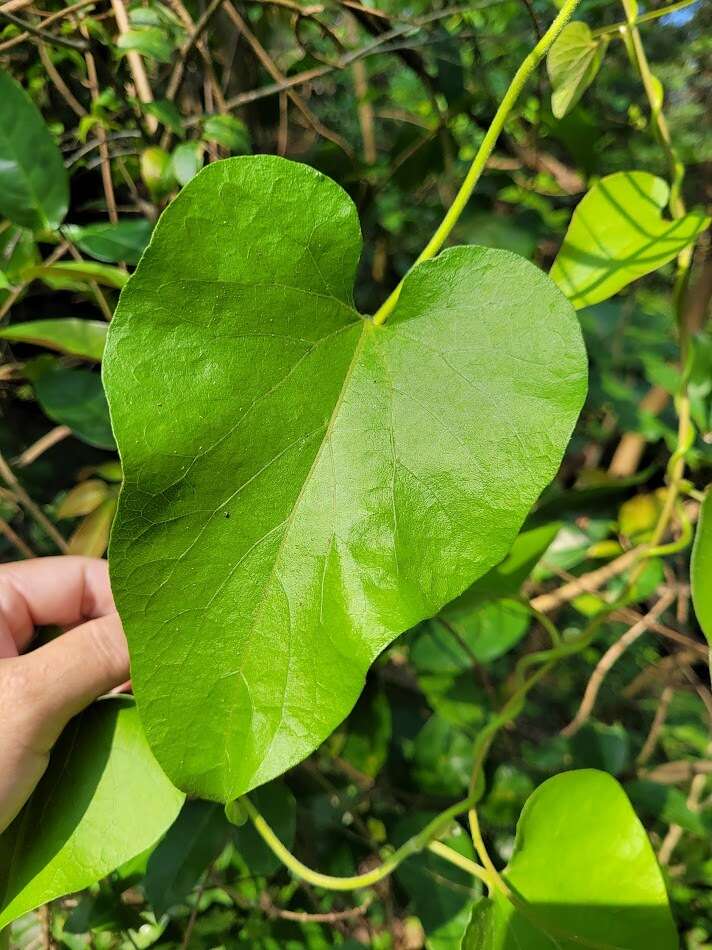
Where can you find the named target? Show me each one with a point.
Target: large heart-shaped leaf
(102, 801)
(573, 61)
(701, 568)
(585, 870)
(617, 234)
(34, 188)
(301, 485)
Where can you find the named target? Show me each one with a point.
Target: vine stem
(527, 67)
(413, 845)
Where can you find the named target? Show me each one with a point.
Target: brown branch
(271, 67)
(672, 838)
(52, 18)
(609, 659)
(59, 84)
(587, 584)
(10, 479)
(651, 740)
(136, 67)
(101, 136)
(663, 668)
(15, 539)
(179, 68)
(52, 38)
(629, 450)
(44, 443)
(302, 917)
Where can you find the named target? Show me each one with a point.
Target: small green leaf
(584, 873)
(380, 470)
(69, 335)
(701, 568)
(228, 131)
(4, 282)
(167, 114)
(77, 272)
(123, 241)
(34, 187)
(187, 160)
(573, 61)
(157, 171)
(617, 234)
(669, 805)
(75, 398)
(151, 41)
(196, 838)
(84, 819)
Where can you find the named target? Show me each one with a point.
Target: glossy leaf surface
(701, 568)
(302, 486)
(617, 234)
(34, 189)
(122, 241)
(573, 61)
(586, 871)
(102, 801)
(69, 335)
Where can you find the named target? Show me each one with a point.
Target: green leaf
(669, 805)
(123, 241)
(442, 758)
(585, 872)
(599, 746)
(70, 335)
(167, 113)
(617, 234)
(573, 61)
(368, 733)
(701, 568)
(34, 188)
(228, 131)
(302, 484)
(451, 643)
(74, 272)
(102, 800)
(151, 41)
(186, 161)
(75, 398)
(197, 837)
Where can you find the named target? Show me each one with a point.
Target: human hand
(41, 690)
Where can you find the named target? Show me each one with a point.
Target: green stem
(460, 861)
(412, 846)
(521, 76)
(616, 28)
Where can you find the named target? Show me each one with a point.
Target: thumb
(65, 675)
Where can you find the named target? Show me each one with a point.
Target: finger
(50, 590)
(61, 678)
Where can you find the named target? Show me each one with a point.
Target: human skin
(41, 689)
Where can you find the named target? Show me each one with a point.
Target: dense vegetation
(584, 649)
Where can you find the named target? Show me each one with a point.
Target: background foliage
(392, 102)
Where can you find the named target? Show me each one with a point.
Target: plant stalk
(527, 67)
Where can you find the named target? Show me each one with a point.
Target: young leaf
(585, 872)
(123, 241)
(34, 188)
(701, 568)
(573, 61)
(83, 498)
(617, 234)
(228, 131)
(84, 818)
(70, 335)
(77, 272)
(302, 484)
(91, 538)
(151, 41)
(75, 398)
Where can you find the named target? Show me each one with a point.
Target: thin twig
(136, 67)
(52, 38)
(179, 68)
(651, 740)
(59, 84)
(10, 479)
(302, 917)
(587, 584)
(610, 658)
(44, 443)
(15, 539)
(101, 136)
(52, 18)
